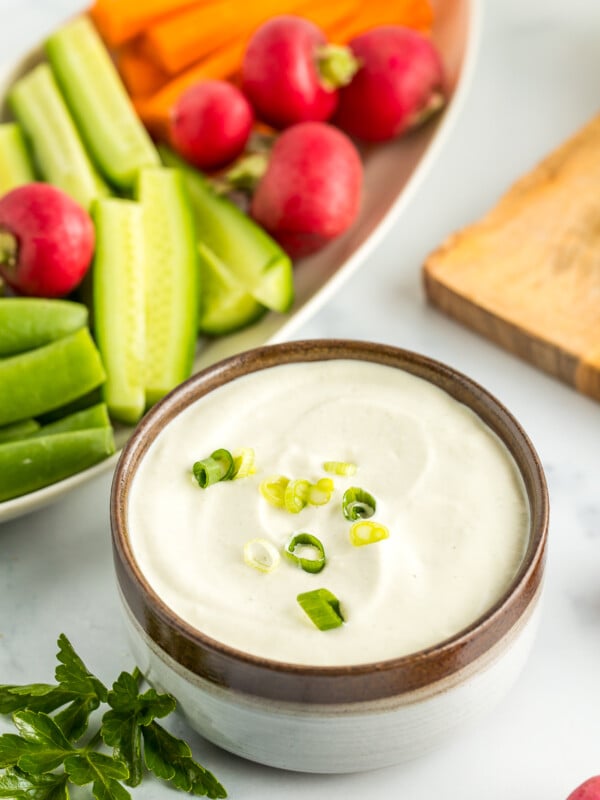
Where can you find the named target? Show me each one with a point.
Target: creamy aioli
(445, 486)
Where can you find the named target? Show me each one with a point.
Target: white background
(537, 80)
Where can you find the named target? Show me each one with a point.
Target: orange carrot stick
(416, 14)
(121, 20)
(141, 75)
(182, 39)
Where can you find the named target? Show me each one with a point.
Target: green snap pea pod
(33, 463)
(30, 322)
(48, 377)
(93, 417)
(15, 164)
(18, 430)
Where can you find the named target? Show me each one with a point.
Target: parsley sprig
(53, 746)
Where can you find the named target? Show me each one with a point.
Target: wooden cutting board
(528, 274)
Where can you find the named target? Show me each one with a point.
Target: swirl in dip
(446, 488)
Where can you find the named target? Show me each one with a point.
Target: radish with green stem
(310, 190)
(399, 85)
(46, 240)
(291, 74)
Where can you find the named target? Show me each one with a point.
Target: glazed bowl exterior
(346, 718)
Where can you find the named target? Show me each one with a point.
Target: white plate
(393, 173)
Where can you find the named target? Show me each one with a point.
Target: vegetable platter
(392, 172)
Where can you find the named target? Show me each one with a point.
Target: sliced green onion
(358, 504)
(261, 554)
(340, 467)
(273, 490)
(367, 532)
(217, 467)
(306, 551)
(243, 463)
(320, 492)
(322, 607)
(296, 495)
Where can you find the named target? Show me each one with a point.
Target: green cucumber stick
(16, 168)
(86, 419)
(119, 305)
(252, 256)
(48, 377)
(18, 430)
(170, 278)
(60, 156)
(30, 464)
(99, 103)
(225, 305)
(30, 322)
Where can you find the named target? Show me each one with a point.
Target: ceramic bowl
(332, 719)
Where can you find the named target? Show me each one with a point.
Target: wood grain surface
(528, 274)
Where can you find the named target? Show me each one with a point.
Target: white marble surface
(538, 79)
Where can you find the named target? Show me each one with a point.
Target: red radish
(210, 124)
(46, 240)
(399, 84)
(310, 192)
(590, 790)
(290, 74)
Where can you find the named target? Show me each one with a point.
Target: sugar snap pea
(30, 322)
(33, 463)
(48, 377)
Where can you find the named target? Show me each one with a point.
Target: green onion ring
(273, 490)
(322, 607)
(340, 467)
(358, 504)
(243, 463)
(296, 495)
(217, 467)
(367, 532)
(320, 492)
(261, 554)
(301, 540)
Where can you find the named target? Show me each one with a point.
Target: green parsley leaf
(51, 719)
(18, 785)
(45, 744)
(171, 759)
(102, 771)
(12, 747)
(34, 697)
(73, 719)
(73, 675)
(129, 711)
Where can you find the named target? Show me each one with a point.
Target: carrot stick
(329, 16)
(121, 20)
(415, 14)
(183, 38)
(141, 75)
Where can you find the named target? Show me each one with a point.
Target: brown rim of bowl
(261, 677)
